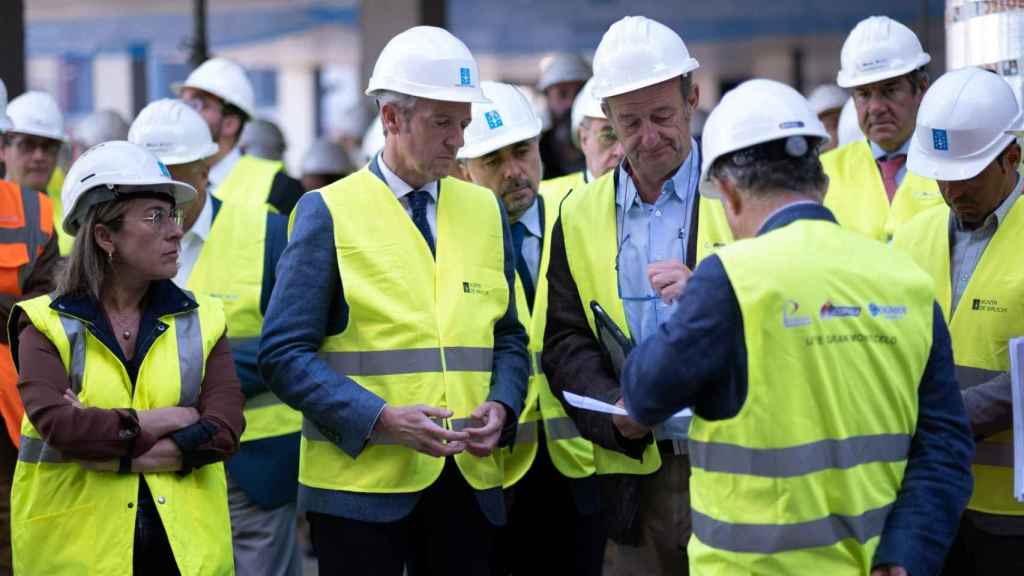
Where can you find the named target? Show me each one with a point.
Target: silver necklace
(125, 332)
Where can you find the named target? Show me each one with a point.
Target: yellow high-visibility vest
(986, 318)
(250, 181)
(588, 224)
(844, 341)
(562, 185)
(230, 268)
(66, 519)
(420, 330)
(856, 194)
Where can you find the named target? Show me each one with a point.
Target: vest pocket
(59, 543)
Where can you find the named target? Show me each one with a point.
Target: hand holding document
(594, 405)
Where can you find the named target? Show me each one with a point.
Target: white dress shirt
(401, 189)
(192, 243)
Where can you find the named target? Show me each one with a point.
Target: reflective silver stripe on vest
(562, 428)
(36, 450)
(774, 538)
(32, 234)
(262, 401)
(526, 432)
(467, 359)
(799, 460)
(994, 454)
(75, 331)
(384, 362)
(190, 356)
(969, 377)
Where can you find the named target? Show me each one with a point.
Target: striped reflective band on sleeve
(409, 361)
(799, 460)
(36, 450)
(31, 235)
(774, 538)
(969, 377)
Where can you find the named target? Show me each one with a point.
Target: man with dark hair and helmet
(393, 328)
(965, 140)
(221, 92)
(549, 470)
(561, 77)
(625, 244)
(595, 137)
(870, 190)
(828, 434)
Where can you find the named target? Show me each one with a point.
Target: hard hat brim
(177, 87)
(62, 138)
(683, 69)
(180, 191)
(464, 94)
(847, 80)
(490, 145)
(948, 169)
(175, 160)
(5, 123)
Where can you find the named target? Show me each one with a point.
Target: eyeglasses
(201, 103)
(158, 217)
(29, 145)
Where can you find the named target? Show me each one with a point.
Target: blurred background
(309, 59)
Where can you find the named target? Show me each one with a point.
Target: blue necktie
(518, 235)
(418, 200)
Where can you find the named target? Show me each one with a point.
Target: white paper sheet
(594, 405)
(1017, 382)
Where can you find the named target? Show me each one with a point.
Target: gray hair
(403, 102)
(764, 169)
(86, 268)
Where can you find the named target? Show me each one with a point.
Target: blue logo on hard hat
(493, 119)
(464, 77)
(163, 169)
(940, 140)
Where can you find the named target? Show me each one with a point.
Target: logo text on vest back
(890, 312)
(830, 310)
(473, 288)
(790, 318)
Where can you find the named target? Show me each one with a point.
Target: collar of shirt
(219, 171)
(204, 222)
(880, 154)
(683, 183)
(399, 186)
(531, 218)
(999, 215)
(799, 210)
(588, 176)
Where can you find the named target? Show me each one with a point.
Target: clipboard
(613, 340)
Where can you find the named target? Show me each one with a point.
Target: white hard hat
(508, 118)
(879, 48)
(224, 79)
(173, 131)
(562, 67)
(5, 121)
(637, 52)
(263, 139)
(37, 114)
(113, 170)
(373, 139)
(326, 157)
(756, 112)
(849, 127)
(964, 122)
(101, 126)
(827, 97)
(585, 106)
(427, 62)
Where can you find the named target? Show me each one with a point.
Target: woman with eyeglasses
(129, 386)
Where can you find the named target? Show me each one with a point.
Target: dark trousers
(546, 530)
(977, 552)
(152, 555)
(446, 533)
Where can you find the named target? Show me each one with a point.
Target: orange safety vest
(26, 225)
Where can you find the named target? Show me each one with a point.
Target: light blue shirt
(649, 233)
(880, 154)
